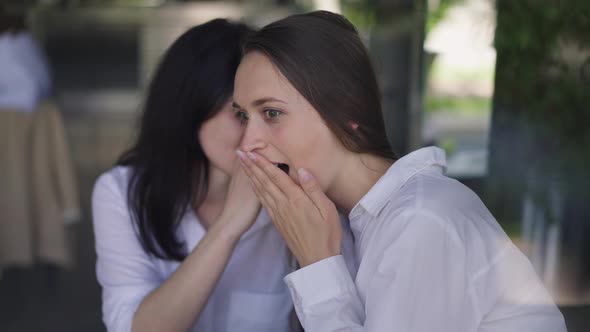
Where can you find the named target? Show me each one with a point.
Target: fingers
(277, 176)
(312, 189)
(264, 187)
(280, 179)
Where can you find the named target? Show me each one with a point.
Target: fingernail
(240, 154)
(304, 176)
(252, 156)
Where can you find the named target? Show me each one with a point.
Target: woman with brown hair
(430, 257)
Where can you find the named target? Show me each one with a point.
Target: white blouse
(250, 295)
(25, 78)
(431, 258)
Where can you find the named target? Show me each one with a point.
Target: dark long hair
(169, 168)
(322, 56)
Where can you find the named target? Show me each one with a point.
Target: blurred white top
(432, 258)
(250, 296)
(24, 78)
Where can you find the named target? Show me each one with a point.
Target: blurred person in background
(38, 192)
(181, 240)
(430, 255)
(25, 79)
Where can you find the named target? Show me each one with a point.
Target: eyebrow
(259, 102)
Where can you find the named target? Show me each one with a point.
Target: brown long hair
(322, 56)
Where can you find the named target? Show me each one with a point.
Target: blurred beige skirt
(37, 187)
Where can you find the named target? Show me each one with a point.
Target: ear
(353, 125)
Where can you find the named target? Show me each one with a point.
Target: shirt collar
(392, 181)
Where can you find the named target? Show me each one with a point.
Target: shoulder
(446, 201)
(109, 195)
(113, 182)
(111, 218)
(431, 208)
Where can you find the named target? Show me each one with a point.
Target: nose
(253, 138)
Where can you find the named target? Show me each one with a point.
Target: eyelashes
(270, 114)
(242, 116)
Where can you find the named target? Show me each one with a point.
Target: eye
(272, 114)
(242, 117)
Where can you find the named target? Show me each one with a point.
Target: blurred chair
(38, 193)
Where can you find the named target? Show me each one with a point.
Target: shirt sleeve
(418, 284)
(124, 270)
(325, 296)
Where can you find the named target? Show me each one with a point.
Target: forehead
(257, 77)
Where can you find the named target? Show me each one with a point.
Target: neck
(217, 186)
(355, 180)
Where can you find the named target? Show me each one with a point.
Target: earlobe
(353, 125)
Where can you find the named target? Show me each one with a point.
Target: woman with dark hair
(430, 257)
(181, 241)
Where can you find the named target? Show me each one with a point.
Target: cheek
(219, 138)
(229, 136)
(226, 132)
(310, 147)
(321, 160)
(234, 132)
(208, 142)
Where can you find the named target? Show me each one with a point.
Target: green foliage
(363, 14)
(544, 87)
(464, 105)
(542, 103)
(435, 15)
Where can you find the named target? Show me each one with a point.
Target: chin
(225, 168)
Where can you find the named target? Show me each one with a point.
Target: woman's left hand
(306, 218)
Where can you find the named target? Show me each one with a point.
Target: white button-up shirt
(24, 78)
(430, 257)
(250, 295)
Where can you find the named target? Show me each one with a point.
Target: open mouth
(283, 167)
